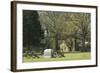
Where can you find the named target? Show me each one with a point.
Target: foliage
(71, 27)
(32, 32)
(68, 26)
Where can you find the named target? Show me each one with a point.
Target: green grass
(68, 56)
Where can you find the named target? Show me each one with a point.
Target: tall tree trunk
(83, 44)
(73, 49)
(56, 43)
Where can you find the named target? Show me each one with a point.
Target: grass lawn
(68, 56)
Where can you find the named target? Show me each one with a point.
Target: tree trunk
(73, 49)
(75, 44)
(56, 43)
(83, 43)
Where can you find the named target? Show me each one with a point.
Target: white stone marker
(47, 53)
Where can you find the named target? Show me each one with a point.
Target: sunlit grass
(68, 56)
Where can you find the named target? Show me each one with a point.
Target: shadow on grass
(68, 56)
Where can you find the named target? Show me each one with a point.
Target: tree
(83, 21)
(32, 32)
(68, 26)
(55, 22)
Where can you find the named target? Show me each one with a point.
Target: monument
(48, 53)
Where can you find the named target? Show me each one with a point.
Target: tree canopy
(32, 32)
(67, 26)
(72, 28)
